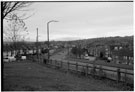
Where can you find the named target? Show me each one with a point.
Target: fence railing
(86, 69)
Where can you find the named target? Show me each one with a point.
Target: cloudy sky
(80, 20)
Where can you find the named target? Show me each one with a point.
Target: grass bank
(30, 76)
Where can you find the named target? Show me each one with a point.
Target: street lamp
(48, 36)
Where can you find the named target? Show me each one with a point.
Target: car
(5, 59)
(109, 59)
(86, 57)
(90, 58)
(23, 57)
(9, 59)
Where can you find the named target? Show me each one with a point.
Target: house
(123, 53)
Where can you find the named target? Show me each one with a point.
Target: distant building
(123, 53)
(119, 53)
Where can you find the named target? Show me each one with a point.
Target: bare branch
(28, 17)
(8, 7)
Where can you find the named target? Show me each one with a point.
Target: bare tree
(9, 7)
(14, 30)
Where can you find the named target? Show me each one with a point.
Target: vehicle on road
(90, 58)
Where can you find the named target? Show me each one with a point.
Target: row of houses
(118, 53)
(25, 50)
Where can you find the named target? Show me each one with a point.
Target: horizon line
(72, 40)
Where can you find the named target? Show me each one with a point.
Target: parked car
(90, 58)
(9, 59)
(109, 59)
(86, 57)
(5, 59)
(23, 57)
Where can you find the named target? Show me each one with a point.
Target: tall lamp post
(48, 36)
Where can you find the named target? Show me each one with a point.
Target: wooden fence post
(61, 64)
(50, 61)
(55, 63)
(125, 76)
(68, 64)
(118, 75)
(76, 67)
(94, 71)
(87, 70)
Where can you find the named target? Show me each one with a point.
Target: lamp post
(37, 44)
(48, 36)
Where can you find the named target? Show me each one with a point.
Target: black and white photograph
(67, 45)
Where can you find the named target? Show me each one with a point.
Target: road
(62, 56)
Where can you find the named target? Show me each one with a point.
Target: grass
(31, 76)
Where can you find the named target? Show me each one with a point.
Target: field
(30, 76)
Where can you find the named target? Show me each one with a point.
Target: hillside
(127, 40)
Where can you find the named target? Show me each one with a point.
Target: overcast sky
(80, 20)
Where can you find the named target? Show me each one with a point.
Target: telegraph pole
(37, 35)
(37, 43)
(48, 40)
